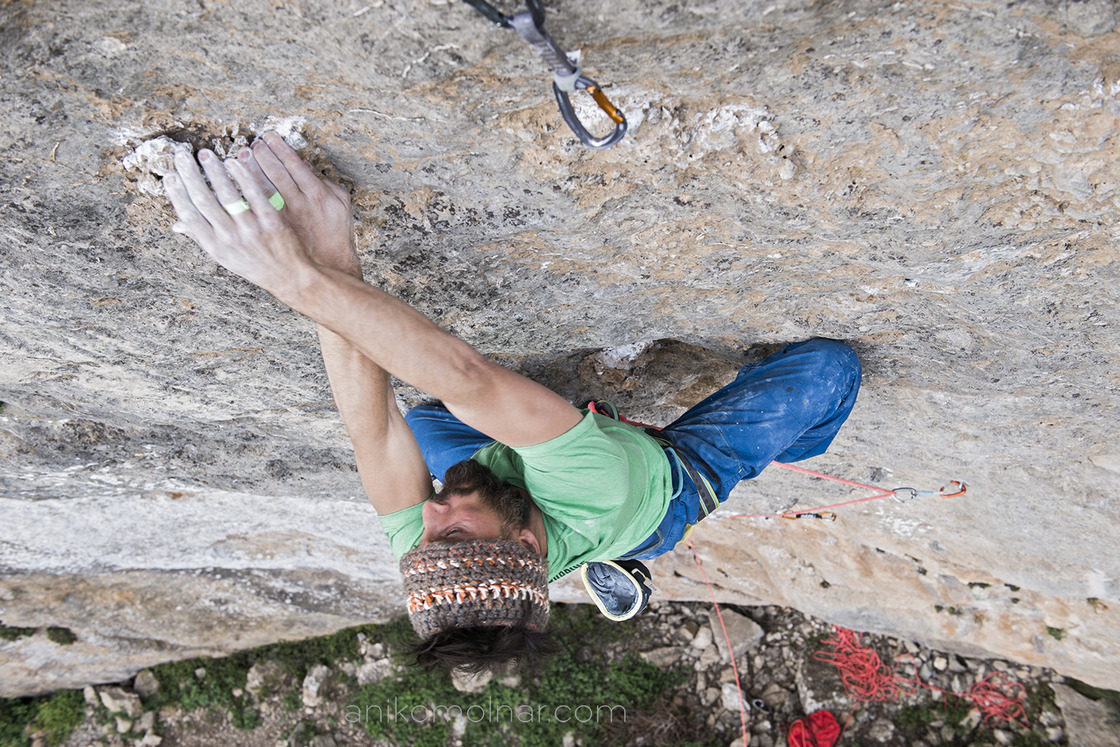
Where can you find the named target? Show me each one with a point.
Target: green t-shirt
(602, 487)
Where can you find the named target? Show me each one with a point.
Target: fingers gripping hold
(191, 222)
(284, 166)
(226, 191)
(197, 191)
(248, 159)
(241, 220)
(259, 202)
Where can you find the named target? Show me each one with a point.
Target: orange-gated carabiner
(566, 73)
(961, 489)
(569, 113)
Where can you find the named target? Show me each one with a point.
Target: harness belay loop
(566, 74)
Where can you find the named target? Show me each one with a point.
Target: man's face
(460, 517)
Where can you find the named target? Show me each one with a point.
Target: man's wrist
(303, 287)
(354, 270)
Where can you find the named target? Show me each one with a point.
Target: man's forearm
(500, 403)
(361, 388)
(391, 334)
(389, 461)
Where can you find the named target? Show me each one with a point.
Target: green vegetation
(12, 634)
(576, 691)
(951, 710)
(15, 715)
(1055, 633)
(61, 636)
(219, 684)
(57, 715)
(816, 640)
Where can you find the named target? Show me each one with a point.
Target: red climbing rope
(820, 511)
(730, 649)
(865, 677)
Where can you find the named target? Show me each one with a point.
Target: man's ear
(527, 539)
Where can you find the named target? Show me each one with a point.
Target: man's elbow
(473, 378)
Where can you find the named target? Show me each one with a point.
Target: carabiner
(961, 489)
(566, 77)
(910, 493)
(569, 113)
(823, 515)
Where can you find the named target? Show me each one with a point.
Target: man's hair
(474, 648)
(477, 649)
(511, 503)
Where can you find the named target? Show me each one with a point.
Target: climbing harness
(566, 74)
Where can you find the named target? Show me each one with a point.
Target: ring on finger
(236, 208)
(242, 206)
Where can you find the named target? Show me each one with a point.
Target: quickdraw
(901, 495)
(566, 74)
(952, 490)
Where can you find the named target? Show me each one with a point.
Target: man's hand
(316, 209)
(257, 244)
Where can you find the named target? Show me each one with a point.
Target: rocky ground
(698, 705)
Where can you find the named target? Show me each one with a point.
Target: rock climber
(532, 487)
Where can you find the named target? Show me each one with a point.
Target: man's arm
(486, 396)
(261, 247)
(389, 460)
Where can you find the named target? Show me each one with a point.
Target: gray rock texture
(936, 183)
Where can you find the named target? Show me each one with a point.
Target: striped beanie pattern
(475, 584)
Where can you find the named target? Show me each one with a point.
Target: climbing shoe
(620, 588)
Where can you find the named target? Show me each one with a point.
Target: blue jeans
(786, 407)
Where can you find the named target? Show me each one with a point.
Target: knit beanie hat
(471, 584)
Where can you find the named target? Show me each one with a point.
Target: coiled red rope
(997, 698)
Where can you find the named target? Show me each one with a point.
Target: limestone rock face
(936, 183)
